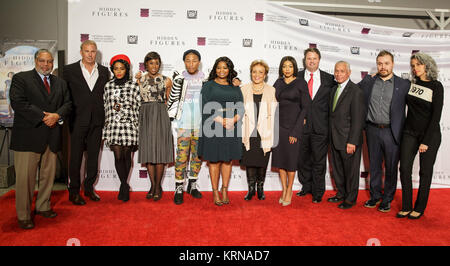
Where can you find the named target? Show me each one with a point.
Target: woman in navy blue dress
(292, 95)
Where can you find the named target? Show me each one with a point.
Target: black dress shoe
(92, 195)
(26, 224)
(344, 205)
(302, 193)
(76, 199)
(385, 207)
(335, 199)
(47, 214)
(317, 200)
(372, 203)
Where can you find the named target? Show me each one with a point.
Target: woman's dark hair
(127, 67)
(231, 74)
(290, 59)
(151, 56)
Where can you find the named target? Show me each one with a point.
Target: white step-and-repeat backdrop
(245, 31)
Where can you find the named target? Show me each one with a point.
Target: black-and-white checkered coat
(122, 103)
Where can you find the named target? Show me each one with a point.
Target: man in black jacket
(347, 116)
(41, 102)
(314, 141)
(86, 80)
(385, 96)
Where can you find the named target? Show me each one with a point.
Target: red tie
(310, 85)
(47, 86)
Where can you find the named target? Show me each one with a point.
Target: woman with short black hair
(155, 130)
(121, 101)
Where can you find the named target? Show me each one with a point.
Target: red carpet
(242, 223)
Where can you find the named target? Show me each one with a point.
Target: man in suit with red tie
(86, 80)
(314, 140)
(347, 117)
(41, 103)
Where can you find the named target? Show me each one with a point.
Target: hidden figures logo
(109, 12)
(226, 16)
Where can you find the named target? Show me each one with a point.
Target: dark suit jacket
(30, 99)
(88, 106)
(347, 120)
(397, 111)
(318, 111)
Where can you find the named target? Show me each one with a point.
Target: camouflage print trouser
(187, 144)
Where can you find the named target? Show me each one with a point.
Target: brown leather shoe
(47, 214)
(92, 195)
(76, 199)
(26, 224)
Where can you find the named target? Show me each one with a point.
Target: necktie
(310, 85)
(336, 96)
(47, 86)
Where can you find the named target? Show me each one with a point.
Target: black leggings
(122, 161)
(409, 147)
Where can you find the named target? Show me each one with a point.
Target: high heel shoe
(225, 199)
(280, 201)
(415, 217)
(216, 198)
(399, 215)
(158, 195)
(150, 193)
(286, 203)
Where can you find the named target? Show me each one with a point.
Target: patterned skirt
(155, 134)
(123, 134)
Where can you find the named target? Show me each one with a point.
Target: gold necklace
(257, 91)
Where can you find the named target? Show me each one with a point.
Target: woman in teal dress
(220, 140)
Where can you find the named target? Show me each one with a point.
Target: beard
(42, 72)
(384, 73)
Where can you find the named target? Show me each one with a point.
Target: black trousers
(346, 173)
(84, 138)
(409, 147)
(313, 163)
(381, 145)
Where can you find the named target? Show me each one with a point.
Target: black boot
(124, 193)
(193, 190)
(260, 178)
(260, 189)
(178, 197)
(251, 191)
(251, 181)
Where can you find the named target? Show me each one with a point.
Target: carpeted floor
(198, 222)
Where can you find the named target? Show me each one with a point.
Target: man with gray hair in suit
(41, 102)
(347, 115)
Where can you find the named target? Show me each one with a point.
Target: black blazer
(87, 105)
(318, 111)
(30, 99)
(398, 103)
(348, 119)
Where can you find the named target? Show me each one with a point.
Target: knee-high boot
(251, 180)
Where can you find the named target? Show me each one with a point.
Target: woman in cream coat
(258, 126)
